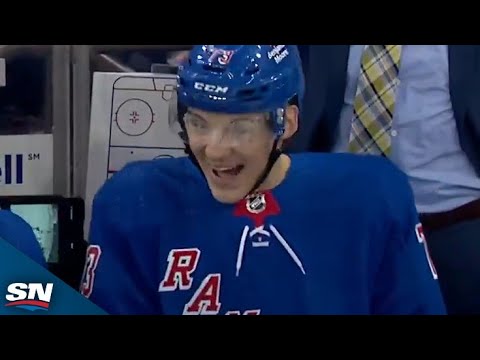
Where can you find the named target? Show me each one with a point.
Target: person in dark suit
(419, 105)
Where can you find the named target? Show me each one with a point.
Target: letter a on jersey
(206, 300)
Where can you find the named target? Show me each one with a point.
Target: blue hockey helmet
(239, 79)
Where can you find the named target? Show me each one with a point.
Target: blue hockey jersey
(340, 235)
(16, 231)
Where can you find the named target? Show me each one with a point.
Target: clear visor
(199, 128)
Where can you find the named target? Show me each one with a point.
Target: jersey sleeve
(406, 282)
(15, 230)
(114, 278)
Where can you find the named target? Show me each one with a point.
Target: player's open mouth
(227, 172)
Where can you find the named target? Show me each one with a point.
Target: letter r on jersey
(182, 263)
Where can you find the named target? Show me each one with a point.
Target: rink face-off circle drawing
(134, 117)
(139, 127)
(129, 122)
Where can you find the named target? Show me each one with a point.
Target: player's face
(232, 150)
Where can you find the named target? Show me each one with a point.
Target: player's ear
(291, 122)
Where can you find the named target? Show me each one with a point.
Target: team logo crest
(256, 203)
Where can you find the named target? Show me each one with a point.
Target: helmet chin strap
(272, 159)
(193, 159)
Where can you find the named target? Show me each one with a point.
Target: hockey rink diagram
(139, 126)
(128, 122)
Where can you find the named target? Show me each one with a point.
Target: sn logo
(12, 173)
(29, 296)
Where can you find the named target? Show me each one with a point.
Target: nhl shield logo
(256, 203)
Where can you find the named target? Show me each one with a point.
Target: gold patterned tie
(375, 99)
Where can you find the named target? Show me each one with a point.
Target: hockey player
(240, 228)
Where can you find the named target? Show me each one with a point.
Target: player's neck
(277, 174)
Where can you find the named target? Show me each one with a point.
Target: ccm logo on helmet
(210, 88)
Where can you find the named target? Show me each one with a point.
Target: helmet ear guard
(278, 117)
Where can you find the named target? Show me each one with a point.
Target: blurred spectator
(23, 100)
(175, 58)
(434, 137)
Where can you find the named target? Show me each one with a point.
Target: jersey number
(88, 277)
(422, 240)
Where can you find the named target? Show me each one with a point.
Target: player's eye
(196, 122)
(243, 125)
